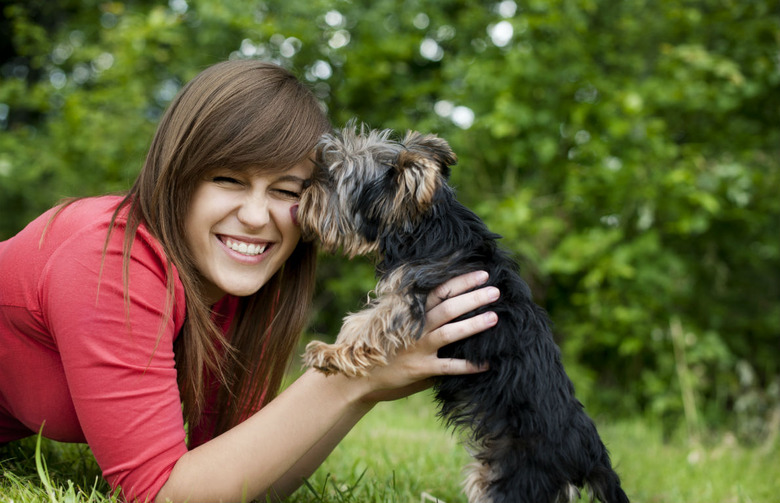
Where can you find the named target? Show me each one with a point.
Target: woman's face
(240, 230)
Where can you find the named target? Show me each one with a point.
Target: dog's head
(367, 184)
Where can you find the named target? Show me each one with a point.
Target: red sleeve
(119, 369)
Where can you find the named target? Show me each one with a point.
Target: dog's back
(520, 418)
(530, 437)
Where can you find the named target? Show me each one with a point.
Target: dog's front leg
(368, 338)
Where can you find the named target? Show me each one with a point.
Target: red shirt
(76, 358)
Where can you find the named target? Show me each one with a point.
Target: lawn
(400, 453)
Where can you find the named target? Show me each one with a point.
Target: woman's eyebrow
(292, 178)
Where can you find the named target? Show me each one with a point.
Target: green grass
(40, 470)
(400, 454)
(401, 446)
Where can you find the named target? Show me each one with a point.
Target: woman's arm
(438, 313)
(272, 451)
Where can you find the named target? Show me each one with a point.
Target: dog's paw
(348, 360)
(320, 356)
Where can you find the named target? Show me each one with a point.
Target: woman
(191, 292)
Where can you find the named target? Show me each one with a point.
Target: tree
(627, 151)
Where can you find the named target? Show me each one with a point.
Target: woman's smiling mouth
(243, 247)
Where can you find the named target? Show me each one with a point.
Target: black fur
(520, 418)
(525, 401)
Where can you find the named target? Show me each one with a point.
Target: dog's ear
(431, 147)
(421, 169)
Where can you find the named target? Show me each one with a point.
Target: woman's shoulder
(87, 247)
(92, 223)
(66, 220)
(75, 251)
(89, 212)
(63, 234)
(87, 232)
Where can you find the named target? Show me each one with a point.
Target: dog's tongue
(294, 214)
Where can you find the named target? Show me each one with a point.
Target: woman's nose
(254, 211)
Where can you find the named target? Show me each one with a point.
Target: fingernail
(491, 318)
(493, 294)
(482, 276)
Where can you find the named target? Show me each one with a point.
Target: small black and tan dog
(530, 437)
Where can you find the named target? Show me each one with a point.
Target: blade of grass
(40, 465)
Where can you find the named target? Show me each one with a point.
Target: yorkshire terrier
(530, 438)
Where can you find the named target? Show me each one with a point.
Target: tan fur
(478, 478)
(332, 235)
(369, 337)
(368, 189)
(419, 180)
(326, 215)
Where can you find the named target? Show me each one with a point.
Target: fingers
(449, 302)
(452, 366)
(413, 367)
(453, 332)
(455, 287)
(449, 309)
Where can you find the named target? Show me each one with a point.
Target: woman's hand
(413, 368)
(300, 427)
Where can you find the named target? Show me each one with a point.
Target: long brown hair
(243, 114)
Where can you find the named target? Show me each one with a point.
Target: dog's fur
(529, 436)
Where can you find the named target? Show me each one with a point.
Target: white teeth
(245, 248)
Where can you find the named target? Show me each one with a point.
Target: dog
(529, 436)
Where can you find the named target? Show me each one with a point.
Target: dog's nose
(294, 214)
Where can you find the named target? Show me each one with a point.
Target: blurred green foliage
(628, 152)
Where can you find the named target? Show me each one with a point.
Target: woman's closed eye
(226, 180)
(288, 194)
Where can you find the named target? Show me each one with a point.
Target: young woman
(190, 293)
